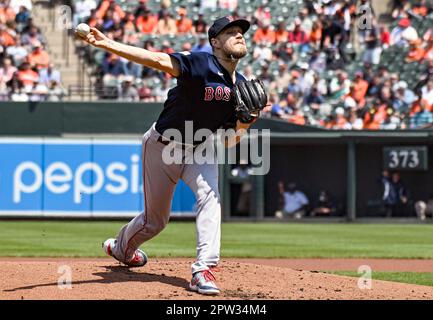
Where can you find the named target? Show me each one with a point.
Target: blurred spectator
(427, 92)
(112, 65)
(339, 85)
(403, 97)
(248, 72)
(295, 202)
(82, 10)
(162, 91)
(6, 39)
(314, 99)
(424, 209)
(325, 205)
(373, 47)
(243, 171)
(360, 87)
(32, 38)
(265, 34)
(419, 9)
(184, 24)
(281, 33)
(166, 47)
(7, 71)
(375, 115)
(127, 90)
(110, 5)
(38, 58)
(262, 52)
(48, 75)
(261, 14)
(17, 52)
(385, 36)
(130, 68)
(208, 4)
(317, 61)
(395, 197)
(27, 76)
(186, 46)
(202, 45)
(332, 33)
(199, 25)
(141, 8)
(282, 79)
(16, 4)
(422, 119)
(7, 13)
(416, 51)
(392, 120)
(166, 25)
(228, 4)
(55, 91)
(404, 33)
(298, 36)
(316, 34)
(146, 22)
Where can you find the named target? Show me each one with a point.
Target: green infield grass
(421, 278)
(273, 240)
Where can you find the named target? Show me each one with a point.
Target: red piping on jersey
(144, 190)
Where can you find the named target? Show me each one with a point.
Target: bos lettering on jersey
(217, 92)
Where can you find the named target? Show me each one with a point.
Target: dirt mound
(168, 279)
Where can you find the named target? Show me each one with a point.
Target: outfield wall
(48, 177)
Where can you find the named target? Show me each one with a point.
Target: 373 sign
(405, 158)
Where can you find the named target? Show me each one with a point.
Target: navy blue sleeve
(192, 65)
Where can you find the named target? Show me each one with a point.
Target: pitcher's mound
(168, 279)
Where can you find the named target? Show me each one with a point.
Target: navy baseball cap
(224, 23)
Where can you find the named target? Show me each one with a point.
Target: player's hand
(95, 38)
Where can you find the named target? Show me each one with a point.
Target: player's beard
(235, 53)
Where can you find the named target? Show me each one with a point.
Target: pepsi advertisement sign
(77, 177)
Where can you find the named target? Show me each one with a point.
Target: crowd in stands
(26, 70)
(323, 67)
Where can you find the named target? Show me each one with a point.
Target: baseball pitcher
(211, 95)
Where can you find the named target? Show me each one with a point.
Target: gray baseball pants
(159, 182)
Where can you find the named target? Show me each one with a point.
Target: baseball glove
(249, 97)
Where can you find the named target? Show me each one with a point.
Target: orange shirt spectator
(416, 52)
(146, 23)
(316, 33)
(38, 58)
(264, 34)
(105, 5)
(375, 117)
(281, 34)
(6, 40)
(7, 14)
(184, 25)
(26, 75)
(360, 87)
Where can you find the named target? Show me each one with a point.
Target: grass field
(273, 240)
(421, 278)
